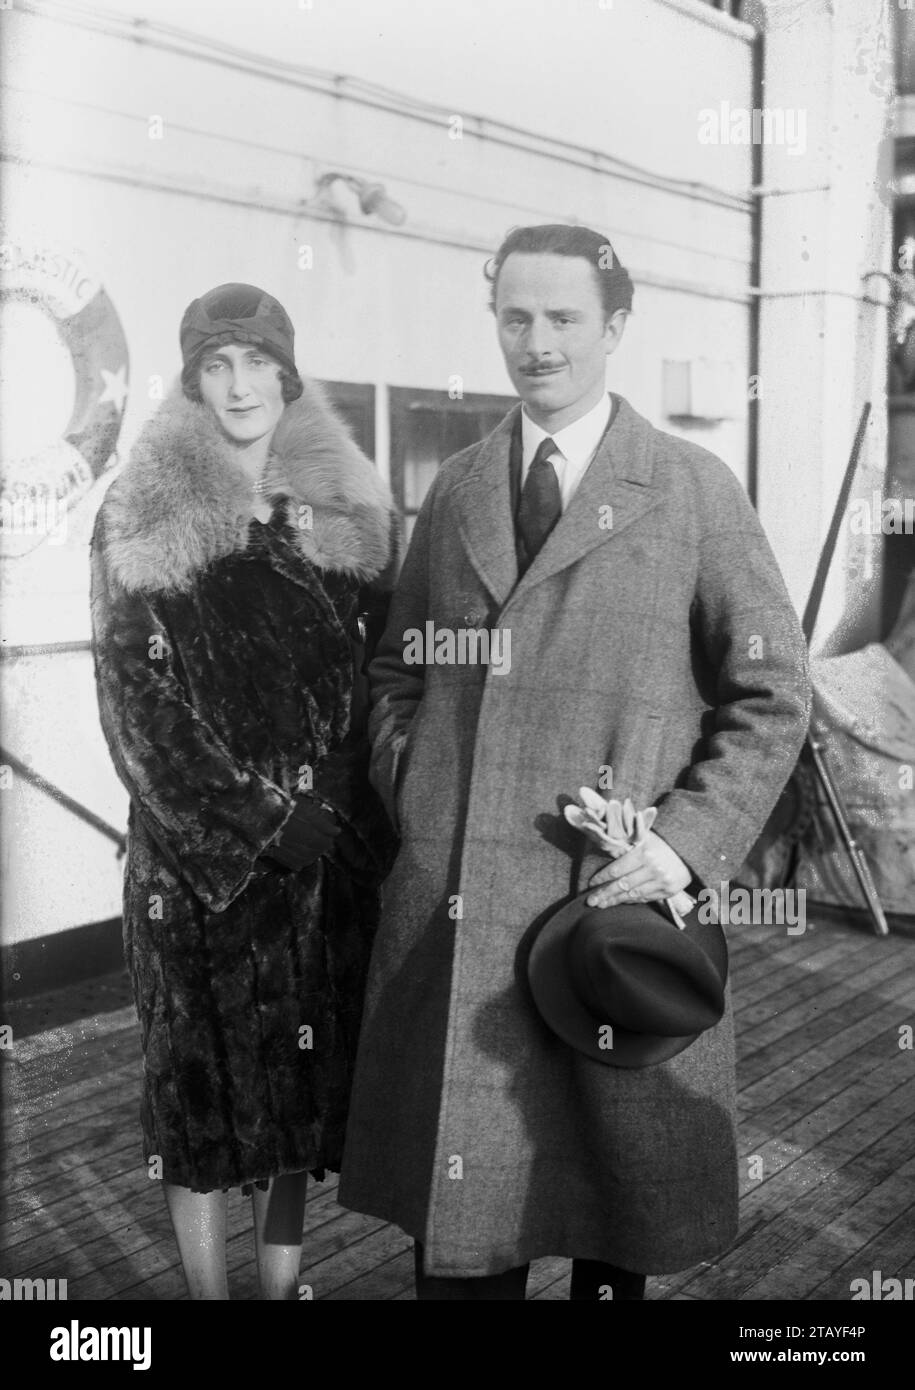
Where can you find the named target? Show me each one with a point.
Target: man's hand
(650, 873)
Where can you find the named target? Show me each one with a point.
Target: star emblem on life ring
(115, 387)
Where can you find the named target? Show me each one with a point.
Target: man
(653, 650)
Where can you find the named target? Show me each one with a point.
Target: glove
(308, 833)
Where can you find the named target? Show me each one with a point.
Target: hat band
(196, 336)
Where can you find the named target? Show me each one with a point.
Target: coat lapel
(619, 479)
(485, 521)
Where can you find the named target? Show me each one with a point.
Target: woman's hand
(308, 833)
(651, 872)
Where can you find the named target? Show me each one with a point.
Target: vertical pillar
(824, 256)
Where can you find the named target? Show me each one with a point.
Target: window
(427, 427)
(356, 405)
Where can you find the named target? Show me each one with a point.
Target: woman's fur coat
(229, 675)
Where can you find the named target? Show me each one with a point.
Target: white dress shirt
(576, 446)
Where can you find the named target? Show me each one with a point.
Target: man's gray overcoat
(652, 635)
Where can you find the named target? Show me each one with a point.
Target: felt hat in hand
(625, 985)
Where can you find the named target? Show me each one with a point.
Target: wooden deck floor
(827, 1099)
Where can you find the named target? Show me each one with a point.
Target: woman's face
(241, 385)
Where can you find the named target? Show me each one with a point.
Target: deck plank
(889, 1255)
(842, 1044)
(782, 1215)
(811, 997)
(105, 1236)
(826, 1103)
(30, 1122)
(776, 966)
(862, 1225)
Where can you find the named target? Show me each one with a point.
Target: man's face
(553, 335)
(241, 385)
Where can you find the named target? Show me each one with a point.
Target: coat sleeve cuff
(710, 856)
(218, 878)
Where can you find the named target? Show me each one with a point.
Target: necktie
(541, 503)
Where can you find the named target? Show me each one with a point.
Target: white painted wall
(223, 196)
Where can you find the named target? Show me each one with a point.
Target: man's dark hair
(558, 239)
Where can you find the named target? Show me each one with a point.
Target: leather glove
(308, 833)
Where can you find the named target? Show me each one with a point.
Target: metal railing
(69, 803)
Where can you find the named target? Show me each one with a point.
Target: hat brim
(560, 1007)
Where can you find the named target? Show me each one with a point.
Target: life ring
(37, 491)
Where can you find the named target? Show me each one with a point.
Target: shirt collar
(576, 442)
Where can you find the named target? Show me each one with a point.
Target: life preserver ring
(36, 491)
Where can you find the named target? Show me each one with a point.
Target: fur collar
(182, 500)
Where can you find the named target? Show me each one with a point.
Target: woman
(231, 561)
